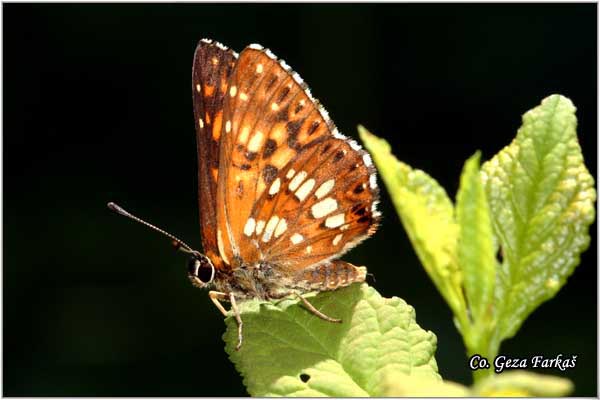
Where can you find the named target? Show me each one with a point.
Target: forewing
(296, 192)
(213, 64)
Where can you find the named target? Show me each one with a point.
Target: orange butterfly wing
(291, 190)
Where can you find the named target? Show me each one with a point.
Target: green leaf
(541, 199)
(476, 253)
(398, 386)
(506, 384)
(522, 384)
(288, 351)
(428, 218)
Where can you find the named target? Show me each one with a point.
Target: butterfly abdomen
(331, 275)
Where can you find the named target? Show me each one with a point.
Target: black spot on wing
(365, 218)
(283, 94)
(270, 147)
(293, 127)
(269, 174)
(271, 82)
(338, 156)
(326, 148)
(313, 127)
(359, 188)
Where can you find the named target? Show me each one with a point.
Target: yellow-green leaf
(476, 253)
(428, 218)
(522, 384)
(541, 198)
(406, 386)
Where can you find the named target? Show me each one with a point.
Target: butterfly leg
(313, 310)
(238, 318)
(215, 297)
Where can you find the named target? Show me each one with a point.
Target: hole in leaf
(304, 377)
(499, 255)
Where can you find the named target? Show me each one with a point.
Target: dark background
(97, 107)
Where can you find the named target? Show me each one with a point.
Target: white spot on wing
(335, 221)
(284, 65)
(228, 126)
(260, 226)
(297, 180)
(249, 227)
(297, 238)
(270, 54)
(367, 160)
(255, 143)
(270, 228)
(233, 91)
(336, 134)
(290, 173)
(219, 45)
(374, 206)
(198, 87)
(337, 239)
(243, 96)
(324, 114)
(243, 138)
(275, 187)
(259, 68)
(297, 78)
(201, 122)
(325, 188)
(373, 181)
(255, 46)
(281, 227)
(354, 145)
(305, 189)
(309, 94)
(324, 207)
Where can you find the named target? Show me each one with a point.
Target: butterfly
(282, 194)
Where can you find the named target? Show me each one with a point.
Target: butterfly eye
(193, 264)
(200, 268)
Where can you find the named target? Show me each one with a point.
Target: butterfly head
(201, 270)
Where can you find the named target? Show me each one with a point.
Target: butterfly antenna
(179, 244)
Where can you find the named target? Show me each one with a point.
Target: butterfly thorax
(260, 281)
